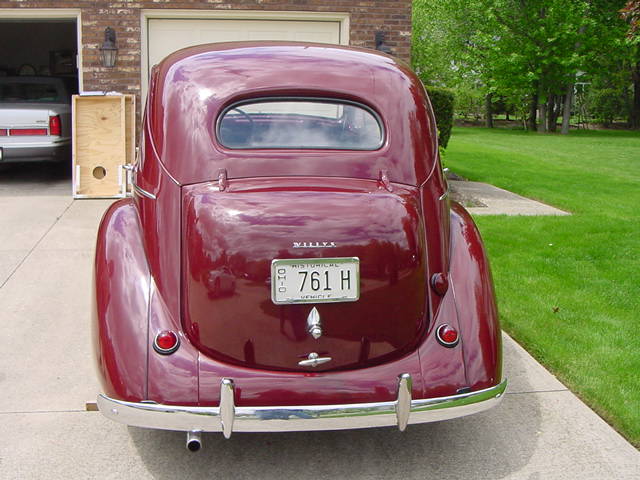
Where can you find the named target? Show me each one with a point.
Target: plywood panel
(100, 145)
(130, 135)
(130, 127)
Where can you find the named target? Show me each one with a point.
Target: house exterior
(45, 36)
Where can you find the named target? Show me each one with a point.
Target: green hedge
(442, 101)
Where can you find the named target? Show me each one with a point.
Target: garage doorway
(36, 44)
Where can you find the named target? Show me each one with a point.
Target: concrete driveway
(540, 431)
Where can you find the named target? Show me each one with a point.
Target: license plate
(315, 280)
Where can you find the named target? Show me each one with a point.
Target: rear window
(29, 92)
(300, 124)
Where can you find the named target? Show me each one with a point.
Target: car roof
(191, 87)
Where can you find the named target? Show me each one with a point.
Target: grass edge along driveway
(568, 287)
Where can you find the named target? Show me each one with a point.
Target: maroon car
(290, 259)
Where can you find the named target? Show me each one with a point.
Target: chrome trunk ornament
(314, 326)
(313, 360)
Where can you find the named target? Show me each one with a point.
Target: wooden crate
(103, 142)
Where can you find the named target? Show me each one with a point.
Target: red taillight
(16, 132)
(3, 132)
(55, 127)
(166, 342)
(447, 335)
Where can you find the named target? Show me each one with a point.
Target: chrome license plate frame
(289, 284)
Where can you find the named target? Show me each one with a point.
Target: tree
(631, 12)
(441, 33)
(541, 49)
(517, 49)
(529, 52)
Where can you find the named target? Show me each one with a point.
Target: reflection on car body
(220, 282)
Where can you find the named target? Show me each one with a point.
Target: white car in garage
(35, 118)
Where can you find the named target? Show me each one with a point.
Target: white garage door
(168, 35)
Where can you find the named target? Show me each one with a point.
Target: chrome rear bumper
(228, 418)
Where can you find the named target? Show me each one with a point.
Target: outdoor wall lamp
(381, 45)
(108, 49)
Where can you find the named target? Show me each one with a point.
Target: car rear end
(359, 298)
(35, 120)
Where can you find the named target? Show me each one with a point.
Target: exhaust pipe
(194, 441)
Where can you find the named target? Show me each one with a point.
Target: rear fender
(472, 285)
(121, 304)
(173, 379)
(129, 312)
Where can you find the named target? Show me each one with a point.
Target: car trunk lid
(231, 238)
(23, 115)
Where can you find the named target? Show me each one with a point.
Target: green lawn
(568, 287)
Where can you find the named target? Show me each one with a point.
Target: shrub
(607, 105)
(469, 103)
(442, 101)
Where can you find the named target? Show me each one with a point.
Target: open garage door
(38, 75)
(38, 47)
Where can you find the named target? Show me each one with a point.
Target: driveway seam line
(36, 245)
(43, 411)
(558, 390)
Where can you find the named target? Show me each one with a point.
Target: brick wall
(366, 17)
